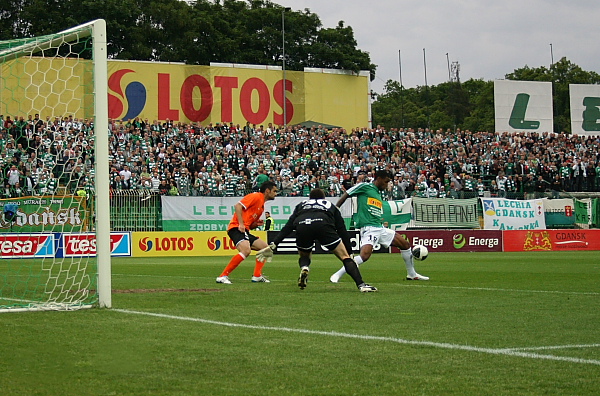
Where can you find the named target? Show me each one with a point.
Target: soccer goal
(55, 241)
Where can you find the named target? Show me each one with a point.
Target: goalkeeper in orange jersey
(248, 212)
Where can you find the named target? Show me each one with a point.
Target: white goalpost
(55, 242)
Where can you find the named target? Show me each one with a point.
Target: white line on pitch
(406, 285)
(371, 338)
(507, 290)
(18, 300)
(542, 348)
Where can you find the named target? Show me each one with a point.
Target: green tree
(481, 98)
(336, 49)
(197, 32)
(444, 106)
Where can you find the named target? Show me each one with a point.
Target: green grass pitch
(485, 324)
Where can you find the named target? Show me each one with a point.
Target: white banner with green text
(512, 214)
(214, 213)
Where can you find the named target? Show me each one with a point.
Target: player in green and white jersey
(369, 218)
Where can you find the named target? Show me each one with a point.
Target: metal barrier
(135, 210)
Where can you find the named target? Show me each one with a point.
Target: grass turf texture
(489, 301)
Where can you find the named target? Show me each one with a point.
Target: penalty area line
(507, 352)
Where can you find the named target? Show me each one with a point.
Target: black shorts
(237, 236)
(317, 229)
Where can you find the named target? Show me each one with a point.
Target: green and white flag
(583, 212)
(559, 212)
(397, 214)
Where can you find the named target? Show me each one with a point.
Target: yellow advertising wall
(235, 93)
(169, 244)
(337, 99)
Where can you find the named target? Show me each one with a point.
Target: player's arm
(287, 228)
(342, 199)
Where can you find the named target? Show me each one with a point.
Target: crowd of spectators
(39, 156)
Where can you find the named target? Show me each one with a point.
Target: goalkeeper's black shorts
(310, 230)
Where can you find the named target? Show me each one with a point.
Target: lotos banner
(236, 93)
(169, 244)
(455, 240)
(551, 240)
(511, 214)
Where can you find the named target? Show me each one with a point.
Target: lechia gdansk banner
(512, 214)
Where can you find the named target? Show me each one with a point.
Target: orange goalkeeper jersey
(253, 206)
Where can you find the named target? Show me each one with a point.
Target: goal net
(54, 218)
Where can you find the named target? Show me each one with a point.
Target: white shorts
(376, 235)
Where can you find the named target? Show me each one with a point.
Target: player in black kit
(318, 219)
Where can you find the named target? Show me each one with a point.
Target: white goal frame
(97, 30)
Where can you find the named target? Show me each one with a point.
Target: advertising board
(235, 93)
(551, 240)
(455, 240)
(78, 245)
(523, 106)
(585, 108)
(193, 244)
(21, 246)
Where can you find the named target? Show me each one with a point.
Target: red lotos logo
(215, 243)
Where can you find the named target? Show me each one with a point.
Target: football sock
(408, 260)
(258, 268)
(358, 260)
(352, 270)
(339, 273)
(233, 263)
(304, 261)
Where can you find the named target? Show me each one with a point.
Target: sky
(488, 39)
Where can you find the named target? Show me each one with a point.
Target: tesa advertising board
(20, 246)
(78, 245)
(549, 240)
(455, 240)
